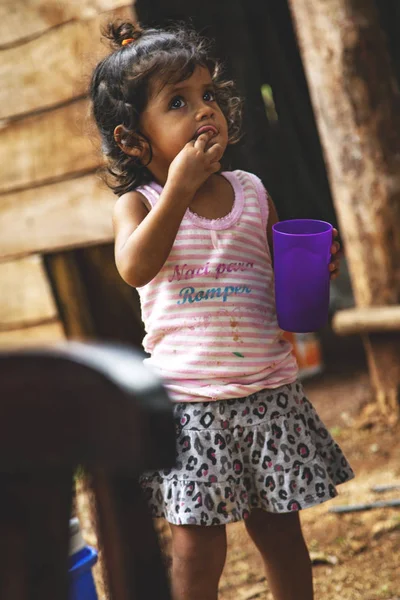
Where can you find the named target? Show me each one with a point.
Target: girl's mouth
(205, 129)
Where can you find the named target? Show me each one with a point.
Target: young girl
(196, 243)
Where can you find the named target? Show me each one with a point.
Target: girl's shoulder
(130, 208)
(252, 181)
(128, 202)
(246, 175)
(148, 193)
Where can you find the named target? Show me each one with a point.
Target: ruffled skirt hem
(269, 450)
(187, 502)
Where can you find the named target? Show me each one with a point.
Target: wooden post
(357, 106)
(94, 304)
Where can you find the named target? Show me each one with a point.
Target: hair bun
(122, 34)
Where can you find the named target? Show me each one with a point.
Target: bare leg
(198, 558)
(280, 541)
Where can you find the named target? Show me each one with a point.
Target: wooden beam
(70, 293)
(47, 146)
(356, 99)
(40, 15)
(53, 68)
(72, 213)
(26, 297)
(93, 300)
(48, 333)
(114, 305)
(367, 320)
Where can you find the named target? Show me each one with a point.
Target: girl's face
(175, 113)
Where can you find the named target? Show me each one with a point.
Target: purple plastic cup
(301, 258)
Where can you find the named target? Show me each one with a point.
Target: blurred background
(57, 275)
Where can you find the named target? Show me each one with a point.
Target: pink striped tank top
(209, 314)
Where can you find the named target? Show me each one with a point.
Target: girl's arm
(143, 239)
(272, 219)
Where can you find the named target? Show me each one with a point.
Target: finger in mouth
(211, 132)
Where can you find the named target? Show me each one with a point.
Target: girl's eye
(177, 102)
(209, 96)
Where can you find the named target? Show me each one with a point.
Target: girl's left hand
(334, 265)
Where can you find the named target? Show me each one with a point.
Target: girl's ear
(130, 143)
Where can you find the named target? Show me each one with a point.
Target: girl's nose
(205, 111)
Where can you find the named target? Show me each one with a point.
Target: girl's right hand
(194, 164)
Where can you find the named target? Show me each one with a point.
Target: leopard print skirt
(269, 450)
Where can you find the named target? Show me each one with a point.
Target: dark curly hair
(119, 90)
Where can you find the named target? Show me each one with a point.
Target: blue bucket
(81, 561)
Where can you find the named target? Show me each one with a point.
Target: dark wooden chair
(90, 405)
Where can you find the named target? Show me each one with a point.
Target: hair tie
(127, 41)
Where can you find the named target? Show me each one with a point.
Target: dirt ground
(356, 556)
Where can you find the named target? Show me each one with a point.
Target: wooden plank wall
(50, 196)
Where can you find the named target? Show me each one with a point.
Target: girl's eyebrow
(173, 88)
